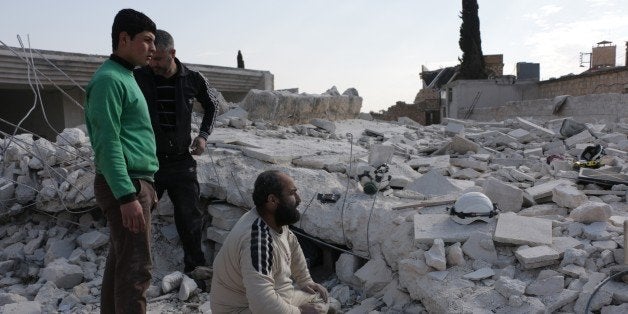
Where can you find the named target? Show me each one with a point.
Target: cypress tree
(472, 63)
(240, 60)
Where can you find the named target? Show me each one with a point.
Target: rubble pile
(556, 238)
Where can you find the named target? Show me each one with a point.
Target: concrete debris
(554, 240)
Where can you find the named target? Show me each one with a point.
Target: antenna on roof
(582, 59)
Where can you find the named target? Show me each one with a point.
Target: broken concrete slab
(480, 246)
(374, 275)
(568, 196)
(580, 138)
(428, 227)
(514, 229)
(435, 257)
(545, 189)
(525, 124)
(469, 163)
(432, 184)
(535, 257)
(590, 212)
(480, 274)
(462, 145)
(508, 198)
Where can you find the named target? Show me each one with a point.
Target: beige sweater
(253, 269)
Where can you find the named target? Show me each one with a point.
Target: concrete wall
(493, 93)
(596, 108)
(16, 103)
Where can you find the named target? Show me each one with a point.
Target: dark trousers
(178, 177)
(128, 268)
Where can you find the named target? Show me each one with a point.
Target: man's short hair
(132, 22)
(267, 182)
(163, 40)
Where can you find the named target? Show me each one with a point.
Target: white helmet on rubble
(473, 206)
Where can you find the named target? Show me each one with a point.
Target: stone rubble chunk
(525, 124)
(466, 174)
(561, 244)
(469, 163)
(435, 257)
(410, 269)
(454, 128)
(580, 138)
(25, 307)
(72, 137)
(62, 274)
(92, 240)
(56, 248)
(399, 245)
(394, 297)
(480, 274)
(596, 231)
(455, 256)
(324, 124)
(187, 287)
(461, 145)
(171, 281)
(591, 212)
(432, 184)
(508, 198)
(573, 271)
(568, 196)
(8, 298)
(514, 229)
(545, 189)
(602, 298)
(508, 287)
(235, 112)
(521, 135)
(535, 257)
(615, 309)
(556, 301)
(343, 293)
(374, 275)
(346, 266)
(480, 246)
(548, 282)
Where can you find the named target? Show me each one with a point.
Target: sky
(377, 47)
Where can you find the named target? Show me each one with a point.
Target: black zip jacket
(189, 85)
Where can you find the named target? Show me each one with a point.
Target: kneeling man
(260, 267)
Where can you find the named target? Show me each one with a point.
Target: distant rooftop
(80, 68)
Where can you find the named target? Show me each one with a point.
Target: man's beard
(286, 214)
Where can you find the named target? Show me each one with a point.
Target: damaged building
(386, 241)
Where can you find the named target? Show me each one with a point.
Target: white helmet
(473, 206)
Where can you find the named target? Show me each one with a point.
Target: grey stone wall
(588, 108)
(288, 108)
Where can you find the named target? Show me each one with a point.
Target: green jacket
(119, 129)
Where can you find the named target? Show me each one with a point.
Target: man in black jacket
(170, 89)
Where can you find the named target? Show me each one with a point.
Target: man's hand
(198, 145)
(311, 308)
(313, 288)
(133, 216)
